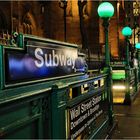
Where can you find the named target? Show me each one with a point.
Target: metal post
(139, 65)
(63, 5)
(11, 16)
(134, 30)
(139, 56)
(107, 53)
(127, 75)
(105, 11)
(127, 32)
(108, 69)
(65, 25)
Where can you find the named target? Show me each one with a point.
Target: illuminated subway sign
(42, 61)
(53, 59)
(84, 115)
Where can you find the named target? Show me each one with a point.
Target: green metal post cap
(127, 31)
(105, 10)
(137, 46)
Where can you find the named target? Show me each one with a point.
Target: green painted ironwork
(41, 109)
(105, 11)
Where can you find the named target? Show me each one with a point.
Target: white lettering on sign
(40, 61)
(76, 133)
(86, 106)
(75, 113)
(83, 111)
(77, 122)
(52, 59)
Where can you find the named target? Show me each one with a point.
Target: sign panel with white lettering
(42, 61)
(85, 115)
(118, 63)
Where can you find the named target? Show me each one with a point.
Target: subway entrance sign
(89, 113)
(41, 61)
(45, 92)
(29, 69)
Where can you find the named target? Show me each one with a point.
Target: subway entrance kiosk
(45, 92)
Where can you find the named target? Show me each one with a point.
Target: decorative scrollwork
(13, 40)
(45, 107)
(35, 107)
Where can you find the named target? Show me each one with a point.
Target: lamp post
(106, 11)
(63, 5)
(137, 46)
(127, 32)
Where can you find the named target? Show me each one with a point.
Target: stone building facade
(46, 19)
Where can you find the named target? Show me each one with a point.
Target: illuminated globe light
(127, 31)
(105, 10)
(137, 46)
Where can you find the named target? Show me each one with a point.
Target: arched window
(27, 24)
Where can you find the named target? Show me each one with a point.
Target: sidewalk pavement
(128, 120)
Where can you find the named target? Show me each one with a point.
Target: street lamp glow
(127, 31)
(137, 46)
(105, 10)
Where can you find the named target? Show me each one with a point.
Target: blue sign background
(42, 61)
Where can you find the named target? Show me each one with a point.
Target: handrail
(91, 79)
